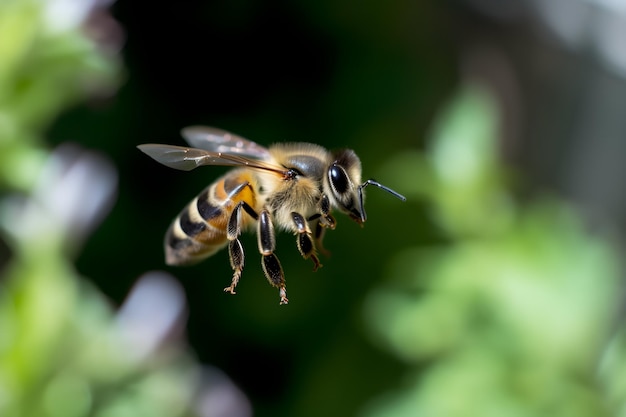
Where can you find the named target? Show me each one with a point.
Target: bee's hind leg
(235, 249)
(271, 265)
(235, 253)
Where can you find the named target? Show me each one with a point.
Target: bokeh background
(496, 289)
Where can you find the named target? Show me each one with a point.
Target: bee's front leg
(324, 220)
(305, 243)
(319, 233)
(271, 265)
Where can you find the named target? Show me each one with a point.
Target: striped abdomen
(200, 229)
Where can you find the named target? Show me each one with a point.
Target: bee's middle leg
(235, 249)
(305, 242)
(271, 265)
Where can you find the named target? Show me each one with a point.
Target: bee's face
(344, 179)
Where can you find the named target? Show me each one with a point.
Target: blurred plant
(63, 350)
(47, 63)
(516, 314)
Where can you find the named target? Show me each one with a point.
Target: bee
(290, 186)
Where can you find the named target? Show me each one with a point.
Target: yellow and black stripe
(199, 231)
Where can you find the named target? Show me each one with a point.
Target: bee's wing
(217, 140)
(186, 159)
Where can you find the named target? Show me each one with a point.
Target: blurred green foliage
(492, 306)
(63, 351)
(517, 313)
(46, 65)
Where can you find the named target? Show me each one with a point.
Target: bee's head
(346, 189)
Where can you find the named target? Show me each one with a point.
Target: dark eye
(338, 179)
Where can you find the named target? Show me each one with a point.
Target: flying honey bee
(292, 186)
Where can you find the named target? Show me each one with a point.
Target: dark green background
(364, 75)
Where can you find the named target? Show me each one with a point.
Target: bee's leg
(235, 252)
(235, 249)
(319, 233)
(326, 219)
(305, 243)
(271, 265)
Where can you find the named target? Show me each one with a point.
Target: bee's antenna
(382, 187)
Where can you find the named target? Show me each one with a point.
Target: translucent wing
(186, 159)
(217, 140)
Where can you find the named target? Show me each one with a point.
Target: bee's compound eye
(338, 178)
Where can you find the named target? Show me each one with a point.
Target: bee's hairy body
(290, 186)
(199, 231)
